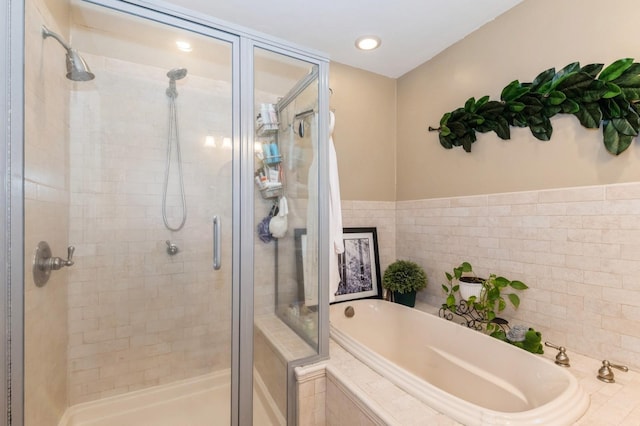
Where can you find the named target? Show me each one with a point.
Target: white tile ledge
(361, 399)
(311, 372)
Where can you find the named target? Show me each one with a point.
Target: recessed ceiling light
(368, 42)
(185, 46)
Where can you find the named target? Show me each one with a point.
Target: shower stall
(148, 315)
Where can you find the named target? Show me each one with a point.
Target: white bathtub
(473, 378)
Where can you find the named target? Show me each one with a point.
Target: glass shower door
(286, 217)
(135, 170)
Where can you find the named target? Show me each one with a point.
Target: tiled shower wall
(137, 316)
(46, 187)
(578, 249)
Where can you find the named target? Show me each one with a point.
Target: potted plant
(490, 302)
(469, 285)
(403, 279)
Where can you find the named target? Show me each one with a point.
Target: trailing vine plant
(610, 97)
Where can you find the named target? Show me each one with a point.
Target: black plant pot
(407, 299)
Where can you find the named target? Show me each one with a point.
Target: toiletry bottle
(265, 113)
(273, 116)
(266, 149)
(274, 174)
(273, 148)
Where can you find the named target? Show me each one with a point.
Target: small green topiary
(404, 276)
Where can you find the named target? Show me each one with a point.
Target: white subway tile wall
(46, 189)
(311, 402)
(378, 214)
(137, 316)
(578, 249)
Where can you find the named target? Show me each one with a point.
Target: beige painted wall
(365, 132)
(534, 36)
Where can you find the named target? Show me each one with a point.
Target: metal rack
(470, 316)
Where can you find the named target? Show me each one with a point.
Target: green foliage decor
(609, 96)
(532, 340)
(491, 300)
(404, 276)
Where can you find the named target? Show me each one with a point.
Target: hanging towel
(336, 243)
(278, 224)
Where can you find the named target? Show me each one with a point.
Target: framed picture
(359, 265)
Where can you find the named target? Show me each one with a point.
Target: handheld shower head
(175, 74)
(77, 68)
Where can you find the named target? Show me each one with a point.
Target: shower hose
(173, 131)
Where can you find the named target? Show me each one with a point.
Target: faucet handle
(57, 263)
(606, 375)
(620, 367)
(70, 251)
(561, 358)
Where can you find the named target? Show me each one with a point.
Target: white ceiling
(412, 31)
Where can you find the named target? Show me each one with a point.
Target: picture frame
(359, 266)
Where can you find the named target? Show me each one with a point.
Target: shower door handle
(216, 242)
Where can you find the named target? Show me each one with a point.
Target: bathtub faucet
(606, 374)
(561, 359)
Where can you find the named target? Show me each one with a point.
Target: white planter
(470, 286)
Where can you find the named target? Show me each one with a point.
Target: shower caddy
(268, 177)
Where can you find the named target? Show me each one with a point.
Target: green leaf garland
(595, 96)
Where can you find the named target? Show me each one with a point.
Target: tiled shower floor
(203, 401)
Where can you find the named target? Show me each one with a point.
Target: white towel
(279, 223)
(336, 243)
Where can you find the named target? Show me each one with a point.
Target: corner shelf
(273, 186)
(267, 129)
(272, 160)
(271, 192)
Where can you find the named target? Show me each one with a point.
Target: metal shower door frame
(323, 210)
(12, 14)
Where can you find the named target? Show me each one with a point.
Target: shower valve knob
(171, 248)
(44, 262)
(58, 262)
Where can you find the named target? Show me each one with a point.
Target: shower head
(77, 68)
(177, 73)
